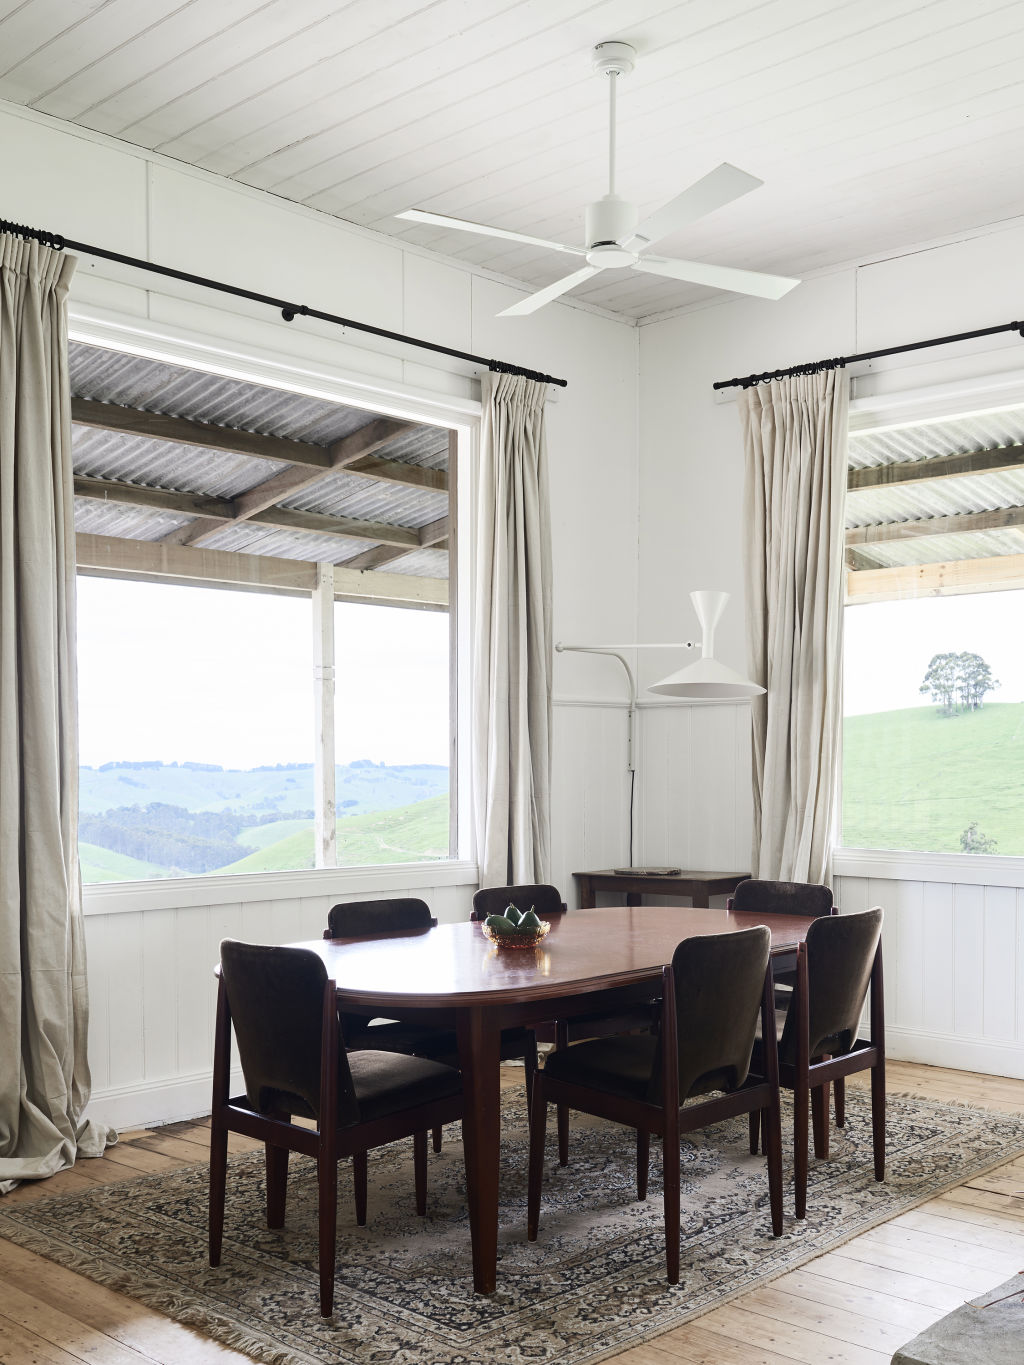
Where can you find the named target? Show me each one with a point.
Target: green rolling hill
(915, 779)
(103, 865)
(404, 834)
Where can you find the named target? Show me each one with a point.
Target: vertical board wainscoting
(954, 969)
(152, 991)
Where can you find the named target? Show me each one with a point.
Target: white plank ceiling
(875, 124)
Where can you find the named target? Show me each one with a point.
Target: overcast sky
(888, 646)
(174, 673)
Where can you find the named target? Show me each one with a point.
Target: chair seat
(417, 1039)
(387, 1082)
(618, 1066)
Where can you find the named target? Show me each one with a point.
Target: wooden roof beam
(999, 460)
(364, 441)
(996, 573)
(960, 522)
(157, 426)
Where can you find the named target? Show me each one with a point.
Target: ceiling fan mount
(614, 236)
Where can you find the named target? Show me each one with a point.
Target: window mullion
(325, 828)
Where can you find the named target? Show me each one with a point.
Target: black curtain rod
(840, 361)
(288, 311)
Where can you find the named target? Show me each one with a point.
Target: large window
(264, 626)
(933, 736)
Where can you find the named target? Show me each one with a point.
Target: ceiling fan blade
(719, 277)
(462, 225)
(719, 187)
(534, 301)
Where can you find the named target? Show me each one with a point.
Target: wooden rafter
(999, 460)
(250, 505)
(857, 560)
(157, 426)
(156, 561)
(996, 573)
(220, 512)
(956, 524)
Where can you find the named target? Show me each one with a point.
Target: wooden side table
(699, 886)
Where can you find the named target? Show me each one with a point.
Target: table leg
(481, 1137)
(586, 886)
(634, 898)
(699, 898)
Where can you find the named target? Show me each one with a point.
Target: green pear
(530, 920)
(512, 915)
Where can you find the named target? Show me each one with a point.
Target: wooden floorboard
(851, 1306)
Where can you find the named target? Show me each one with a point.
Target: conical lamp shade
(707, 679)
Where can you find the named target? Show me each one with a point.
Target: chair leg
(538, 1128)
(643, 1156)
(841, 1102)
(670, 1171)
(819, 1120)
(419, 1162)
(327, 1179)
(800, 1104)
(359, 1186)
(436, 1132)
(771, 1126)
(562, 1042)
(530, 1065)
(754, 1124)
(878, 1118)
(218, 1182)
(277, 1184)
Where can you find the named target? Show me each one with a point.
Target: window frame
(460, 415)
(874, 412)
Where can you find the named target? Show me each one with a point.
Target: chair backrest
(782, 898)
(495, 900)
(276, 998)
(840, 954)
(364, 919)
(719, 981)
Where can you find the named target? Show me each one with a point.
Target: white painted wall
(953, 950)
(150, 961)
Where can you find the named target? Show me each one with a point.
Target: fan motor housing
(611, 220)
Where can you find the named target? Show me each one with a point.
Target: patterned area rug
(591, 1286)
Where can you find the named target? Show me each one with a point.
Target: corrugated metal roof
(137, 382)
(103, 454)
(96, 518)
(923, 499)
(946, 436)
(427, 563)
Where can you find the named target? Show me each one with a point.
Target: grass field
(915, 779)
(103, 865)
(404, 834)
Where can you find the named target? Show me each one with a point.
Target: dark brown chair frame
(784, 964)
(809, 1079)
(327, 1143)
(668, 1120)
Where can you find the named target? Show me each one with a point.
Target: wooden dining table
(452, 976)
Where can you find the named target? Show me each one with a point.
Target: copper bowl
(529, 939)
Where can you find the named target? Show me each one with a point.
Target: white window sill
(111, 898)
(963, 869)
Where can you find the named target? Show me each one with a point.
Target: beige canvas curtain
(512, 648)
(44, 1076)
(795, 433)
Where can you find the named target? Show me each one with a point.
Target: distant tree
(941, 682)
(958, 682)
(975, 679)
(973, 841)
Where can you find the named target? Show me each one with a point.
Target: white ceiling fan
(614, 237)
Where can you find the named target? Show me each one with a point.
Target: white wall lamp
(707, 679)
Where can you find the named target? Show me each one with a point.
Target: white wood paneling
(874, 125)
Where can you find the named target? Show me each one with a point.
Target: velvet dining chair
(713, 994)
(283, 1010)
